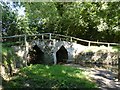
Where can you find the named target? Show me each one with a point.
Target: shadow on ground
(44, 76)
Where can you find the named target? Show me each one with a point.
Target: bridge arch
(62, 55)
(36, 55)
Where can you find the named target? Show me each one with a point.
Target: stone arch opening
(62, 55)
(36, 56)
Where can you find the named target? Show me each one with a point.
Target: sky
(20, 9)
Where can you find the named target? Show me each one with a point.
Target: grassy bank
(117, 48)
(44, 76)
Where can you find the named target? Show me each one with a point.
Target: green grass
(55, 76)
(5, 49)
(116, 47)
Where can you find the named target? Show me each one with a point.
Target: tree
(42, 16)
(12, 22)
(86, 20)
(8, 20)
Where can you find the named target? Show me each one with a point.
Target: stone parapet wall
(76, 52)
(50, 47)
(100, 55)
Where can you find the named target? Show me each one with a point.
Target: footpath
(106, 80)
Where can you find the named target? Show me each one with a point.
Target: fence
(24, 38)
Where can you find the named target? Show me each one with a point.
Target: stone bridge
(51, 48)
(56, 51)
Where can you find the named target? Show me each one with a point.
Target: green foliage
(12, 23)
(8, 44)
(44, 76)
(8, 20)
(117, 48)
(10, 61)
(88, 20)
(92, 21)
(7, 59)
(42, 17)
(7, 56)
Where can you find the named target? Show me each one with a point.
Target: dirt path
(104, 78)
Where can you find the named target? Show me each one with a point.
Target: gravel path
(105, 79)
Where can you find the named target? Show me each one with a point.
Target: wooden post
(108, 55)
(119, 66)
(60, 39)
(89, 43)
(108, 45)
(42, 37)
(50, 36)
(71, 39)
(25, 40)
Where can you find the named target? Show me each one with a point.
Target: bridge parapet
(50, 43)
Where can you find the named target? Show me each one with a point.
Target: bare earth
(105, 79)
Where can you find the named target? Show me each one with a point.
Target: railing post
(42, 36)
(108, 56)
(25, 40)
(89, 43)
(50, 36)
(108, 45)
(71, 39)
